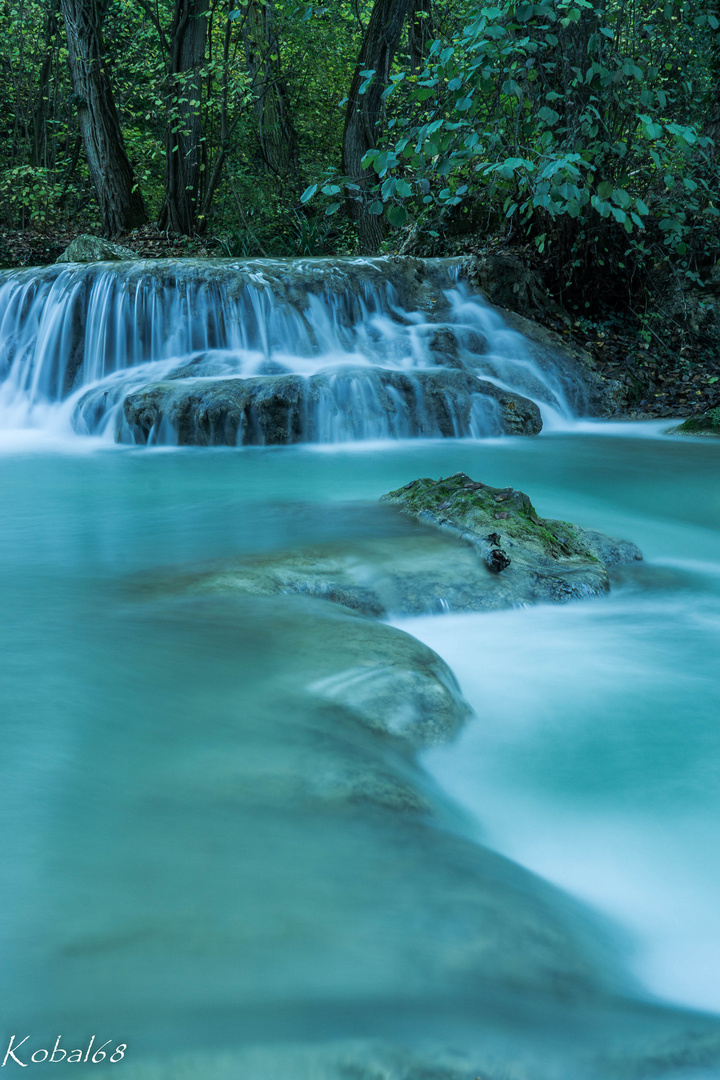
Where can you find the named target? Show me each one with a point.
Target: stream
(184, 872)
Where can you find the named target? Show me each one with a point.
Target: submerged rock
(481, 549)
(620, 1042)
(335, 404)
(90, 249)
(339, 871)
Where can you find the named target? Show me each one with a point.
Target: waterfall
(267, 351)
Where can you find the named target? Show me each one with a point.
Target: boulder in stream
(333, 405)
(471, 548)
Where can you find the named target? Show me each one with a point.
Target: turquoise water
(168, 878)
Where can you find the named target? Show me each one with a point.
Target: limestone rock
(474, 548)
(89, 249)
(336, 403)
(543, 559)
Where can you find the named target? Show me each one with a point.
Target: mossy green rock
(474, 548)
(528, 558)
(708, 424)
(89, 249)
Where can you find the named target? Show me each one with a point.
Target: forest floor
(667, 360)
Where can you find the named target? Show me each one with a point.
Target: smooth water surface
(176, 877)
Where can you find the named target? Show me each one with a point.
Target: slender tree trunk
(711, 127)
(277, 139)
(420, 30)
(119, 197)
(185, 152)
(41, 112)
(226, 128)
(364, 111)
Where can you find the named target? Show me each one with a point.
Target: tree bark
(277, 139)
(41, 113)
(185, 148)
(420, 31)
(364, 111)
(711, 127)
(119, 197)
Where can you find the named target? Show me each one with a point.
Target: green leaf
(396, 215)
(403, 189)
(308, 193)
(548, 115)
(330, 189)
(375, 207)
(332, 208)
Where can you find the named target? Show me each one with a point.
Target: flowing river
(184, 871)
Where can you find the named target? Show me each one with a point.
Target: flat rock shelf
(476, 548)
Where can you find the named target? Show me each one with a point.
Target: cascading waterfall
(267, 351)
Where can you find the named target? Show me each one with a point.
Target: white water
(90, 335)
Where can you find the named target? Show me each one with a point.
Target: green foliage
(578, 126)
(28, 194)
(315, 47)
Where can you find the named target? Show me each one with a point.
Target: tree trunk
(420, 31)
(364, 111)
(185, 150)
(277, 139)
(226, 128)
(711, 127)
(41, 112)
(119, 197)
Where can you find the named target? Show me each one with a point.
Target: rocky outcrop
(707, 424)
(420, 355)
(334, 404)
(90, 249)
(476, 548)
(529, 559)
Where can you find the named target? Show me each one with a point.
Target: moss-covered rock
(478, 549)
(90, 249)
(708, 424)
(537, 559)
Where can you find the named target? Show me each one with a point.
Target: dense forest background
(575, 138)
